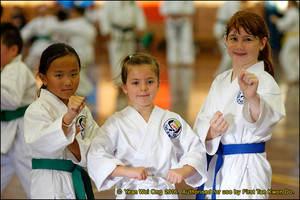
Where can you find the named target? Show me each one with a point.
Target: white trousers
(18, 161)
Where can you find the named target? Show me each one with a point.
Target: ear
(43, 79)
(124, 88)
(263, 43)
(14, 49)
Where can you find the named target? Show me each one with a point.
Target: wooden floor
(282, 149)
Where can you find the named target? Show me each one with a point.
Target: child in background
(241, 111)
(144, 146)
(289, 53)
(59, 128)
(18, 90)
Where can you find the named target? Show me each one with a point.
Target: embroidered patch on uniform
(81, 123)
(240, 98)
(172, 127)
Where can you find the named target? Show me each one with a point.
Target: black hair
(53, 52)
(10, 35)
(78, 9)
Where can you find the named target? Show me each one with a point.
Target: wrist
(67, 121)
(254, 100)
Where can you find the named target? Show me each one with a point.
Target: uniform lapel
(149, 136)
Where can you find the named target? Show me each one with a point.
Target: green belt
(8, 115)
(42, 37)
(81, 179)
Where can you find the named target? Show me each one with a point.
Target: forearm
(120, 171)
(254, 103)
(74, 148)
(189, 170)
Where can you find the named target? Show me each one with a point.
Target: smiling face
(62, 77)
(243, 48)
(141, 86)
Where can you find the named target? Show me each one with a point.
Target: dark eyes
(137, 82)
(61, 75)
(247, 39)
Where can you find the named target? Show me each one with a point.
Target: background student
(18, 90)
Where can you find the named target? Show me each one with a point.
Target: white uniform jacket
(126, 139)
(121, 13)
(289, 22)
(224, 13)
(46, 139)
(38, 27)
(18, 89)
(179, 31)
(241, 171)
(81, 35)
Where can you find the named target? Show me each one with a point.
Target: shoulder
(171, 116)
(267, 83)
(221, 77)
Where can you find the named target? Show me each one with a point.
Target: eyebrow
(57, 71)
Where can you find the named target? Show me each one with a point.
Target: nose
(240, 44)
(143, 87)
(68, 82)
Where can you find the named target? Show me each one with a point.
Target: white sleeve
(44, 137)
(29, 30)
(13, 86)
(288, 21)
(271, 111)
(141, 20)
(92, 129)
(189, 8)
(105, 21)
(202, 124)
(194, 154)
(101, 161)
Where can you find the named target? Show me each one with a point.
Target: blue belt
(229, 149)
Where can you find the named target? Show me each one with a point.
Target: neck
(145, 112)
(237, 68)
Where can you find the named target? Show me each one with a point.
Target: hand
(139, 173)
(178, 175)
(75, 106)
(218, 125)
(248, 83)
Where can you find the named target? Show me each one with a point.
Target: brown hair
(255, 25)
(136, 60)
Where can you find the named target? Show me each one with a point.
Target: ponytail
(265, 55)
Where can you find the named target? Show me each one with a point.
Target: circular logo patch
(172, 127)
(81, 123)
(240, 98)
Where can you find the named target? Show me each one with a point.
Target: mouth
(239, 54)
(144, 95)
(67, 90)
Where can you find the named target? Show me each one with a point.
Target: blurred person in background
(17, 17)
(224, 13)
(37, 30)
(18, 90)
(81, 35)
(289, 53)
(122, 23)
(180, 49)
